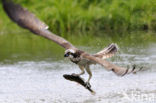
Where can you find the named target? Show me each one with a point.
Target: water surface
(41, 81)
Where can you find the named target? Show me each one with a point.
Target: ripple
(42, 82)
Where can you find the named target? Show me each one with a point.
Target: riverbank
(90, 16)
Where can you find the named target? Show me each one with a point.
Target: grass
(93, 23)
(75, 17)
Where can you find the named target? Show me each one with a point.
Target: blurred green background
(93, 23)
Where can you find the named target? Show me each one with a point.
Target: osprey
(29, 21)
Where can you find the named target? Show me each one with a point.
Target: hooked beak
(66, 55)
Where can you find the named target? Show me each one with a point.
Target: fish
(78, 80)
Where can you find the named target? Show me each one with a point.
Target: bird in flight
(29, 21)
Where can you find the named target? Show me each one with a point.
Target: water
(41, 81)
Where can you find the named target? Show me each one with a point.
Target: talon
(88, 85)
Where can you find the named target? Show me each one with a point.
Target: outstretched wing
(107, 52)
(109, 66)
(27, 20)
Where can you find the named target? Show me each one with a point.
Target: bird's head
(70, 53)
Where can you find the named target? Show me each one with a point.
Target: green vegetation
(82, 22)
(75, 17)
